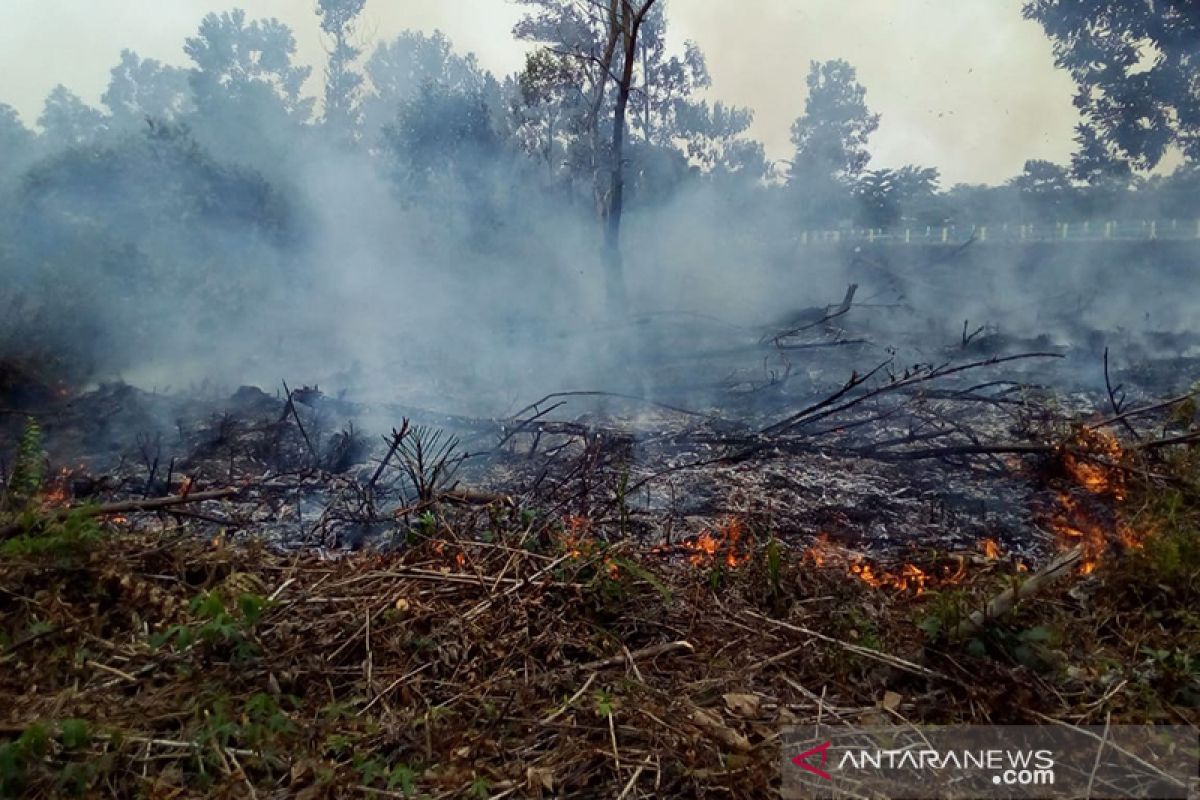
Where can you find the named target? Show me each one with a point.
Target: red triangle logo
(801, 760)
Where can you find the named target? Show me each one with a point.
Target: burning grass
(509, 652)
(546, 662)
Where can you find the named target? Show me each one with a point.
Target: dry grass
(542, 663)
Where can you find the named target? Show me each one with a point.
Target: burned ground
(602, 592)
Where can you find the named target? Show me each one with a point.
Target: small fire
(991, 550)
(821, 550)
(58, 493)
(572, 539)
(909, 578)
(1086, 513)
(726, 544)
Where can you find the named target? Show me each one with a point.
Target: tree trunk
(630, 22)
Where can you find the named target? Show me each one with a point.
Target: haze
(967, 86)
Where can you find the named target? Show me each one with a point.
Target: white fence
(1145, 230)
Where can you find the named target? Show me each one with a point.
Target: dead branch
(1004, 602)
(653, 651)
(152, 504)
(555, 395)
(291, 406)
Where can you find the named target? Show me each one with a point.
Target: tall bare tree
(597, 42)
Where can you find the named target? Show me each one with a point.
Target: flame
(725, 542)
(909, 578)
(821, 550)
(991, 550)
(1086, 513)
(573, 538)
(58, 493)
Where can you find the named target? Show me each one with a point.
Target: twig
(1117, 404)
(875, 655)
(291, 406)
(653, 651)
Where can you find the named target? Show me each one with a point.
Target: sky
(966, 86)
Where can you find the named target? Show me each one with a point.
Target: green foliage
(28, 470)
(75, 734)
(218, 624)
(944, 610)
(403, 778)
(481, 788)
(1138, 106)
(18, 756)
(604, 703)
(65, 540)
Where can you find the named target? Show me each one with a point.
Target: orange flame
(1093, 466)
(58, 492)
(725, 543)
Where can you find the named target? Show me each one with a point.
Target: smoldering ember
(380, 420)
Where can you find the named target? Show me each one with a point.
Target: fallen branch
(654, 651)
(1004, 602)
(152, 504)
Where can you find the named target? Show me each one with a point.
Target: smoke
(440, 265)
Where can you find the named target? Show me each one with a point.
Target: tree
(1094, 161)
(246, 89)
(145, 88)
(342, 83)
(714, 138)
(16, 142)
(1045, 187)
(830, 140)
(601, 38)
(665, 85)
(399, 69)
(67, 121)
(447, 157)
(1137, 69)
(888, 196)
(832, 135)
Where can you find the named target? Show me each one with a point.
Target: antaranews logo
(801, 760)
(990, 762)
